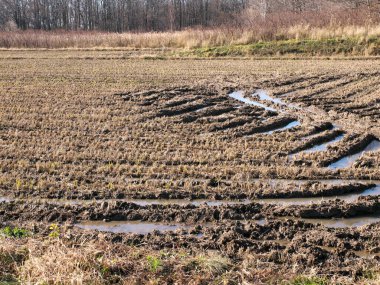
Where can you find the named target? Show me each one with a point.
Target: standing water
(136, 227)
(323, 147)
(346, 222)
(239, 95)
(263, 95)
(287, 127)
(347, 161)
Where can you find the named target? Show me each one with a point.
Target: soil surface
(109, 145)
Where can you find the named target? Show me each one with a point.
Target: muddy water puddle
(239, 95)
(324, 146)
(334, 223)
(263, 95)
(139, 227)
(136, 227)
(316, 200)
(345, 222)
(150, 202)
(184, 202)
(374, 191)
(287, 127)
(347, 161)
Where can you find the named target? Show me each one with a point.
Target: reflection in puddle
(142, 202)
(283, 201)
(375, 191)
(274, 183)
(139, 227)
(136, 227)
(263, 95)
(346, 222)
(323, 147)
(239, 95)
(287, 127)
(184, 202)
(337, 223)
(347, 161)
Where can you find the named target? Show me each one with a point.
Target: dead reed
(187, 39)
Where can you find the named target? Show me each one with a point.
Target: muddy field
(188, 171)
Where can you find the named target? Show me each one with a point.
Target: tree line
(163, 15)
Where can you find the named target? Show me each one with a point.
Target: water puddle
(346, 222)
(347, 161)
(139, 227)
(261, 222)
(239, 95)
(263, 95)
(274, 183)
(287, 127)
(136, 227)
(150, 202)
(184, 202)
(203, 108)
(375, 191)
(324, 146)
(278, 201)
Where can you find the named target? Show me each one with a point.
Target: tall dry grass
(336, 32)
(64, 39)
(101, 262)
(187, 39)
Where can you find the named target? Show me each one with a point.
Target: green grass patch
(154, 263)
(325, 47)
(14, 232)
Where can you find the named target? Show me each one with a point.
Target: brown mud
(194, 143)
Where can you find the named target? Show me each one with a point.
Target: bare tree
(159, 15)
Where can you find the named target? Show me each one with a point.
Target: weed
(18, 184)
(54, 231)
(154, 263)
(14, 232)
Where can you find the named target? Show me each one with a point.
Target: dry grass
(333, 32)
(187, 39)
(53, 261)
(100, 262)
(181, 39)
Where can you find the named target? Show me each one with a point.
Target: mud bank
(123, 211)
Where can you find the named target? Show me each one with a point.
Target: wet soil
(191, 167)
